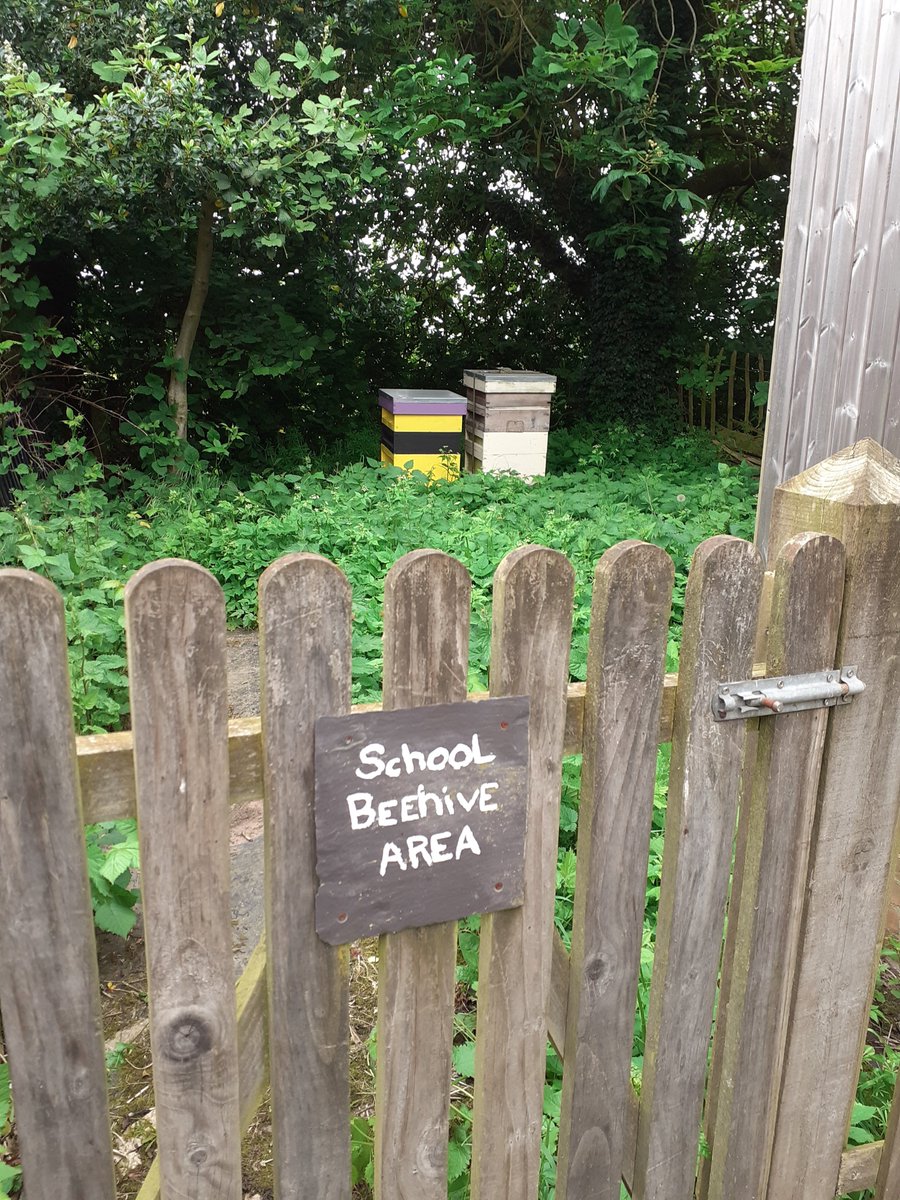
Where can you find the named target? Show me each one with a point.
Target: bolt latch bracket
(785, 694)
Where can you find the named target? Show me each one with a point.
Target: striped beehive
(508, 420)
(422, 428)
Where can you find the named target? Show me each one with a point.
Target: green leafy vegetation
(881, 1058)
(88, 530)
(112, 855)
(10, 1175)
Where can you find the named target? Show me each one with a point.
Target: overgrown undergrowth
(89, 532)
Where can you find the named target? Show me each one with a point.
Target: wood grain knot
(79, 1083)
(858, 860)
(198, 1156)
(79, 1076)
(596, 969)
(187, 1035)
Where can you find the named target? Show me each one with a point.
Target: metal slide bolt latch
(785, 694)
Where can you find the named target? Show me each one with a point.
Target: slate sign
(420, 815)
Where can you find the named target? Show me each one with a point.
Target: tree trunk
(177, 391)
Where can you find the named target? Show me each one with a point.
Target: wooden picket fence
(818, 790)
(723, 404)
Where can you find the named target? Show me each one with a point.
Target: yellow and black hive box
(422, 428)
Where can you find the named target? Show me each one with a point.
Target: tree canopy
(268, 209)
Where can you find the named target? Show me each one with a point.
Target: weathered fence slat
(719, 630)
(250, 994)
(253, 1068)
(855, 495)
(49, 989)
(304, 622)
(778, 816)
(859, 1168)
(426, 661)
(714, 1072)
(531, 634)
(175, 622)
(106, 770)
(626, 656)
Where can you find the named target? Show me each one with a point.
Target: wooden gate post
(855, 495)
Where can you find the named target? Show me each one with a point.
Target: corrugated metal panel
(833, 372)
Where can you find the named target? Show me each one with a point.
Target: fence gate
(811, 792)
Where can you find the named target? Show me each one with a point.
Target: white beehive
(507, 421)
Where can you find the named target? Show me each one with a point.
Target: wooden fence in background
(818, 790)
(722, 400)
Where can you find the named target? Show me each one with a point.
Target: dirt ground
(243, 672)
(246, 819)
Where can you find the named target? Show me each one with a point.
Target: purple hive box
(434, 401)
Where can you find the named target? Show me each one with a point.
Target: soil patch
(247, 912)
(243, 672)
